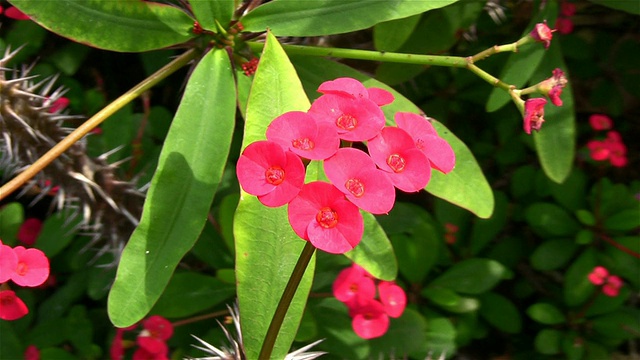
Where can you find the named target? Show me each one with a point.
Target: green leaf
(441, 296)
(11, 218)
(577, 287)
(556, 141)
(550, 219)
(189, 171)
(189, 293)
(418, 252)
(625, 220)
(623, 263)
(545, 313)
(208, 11)
(390, 35)
(630, 6)
(622, 324)
(334, 325)
(325, 17)
(553, 254)
(548, 341)
(126, 26)
(521, 65)
(406, 335)
(500, 312)
(465, 186)
(375, 253)
(441, 334)
(486, 230)
(57, 232)
(586, 217)
(472, 276)
(267, 249)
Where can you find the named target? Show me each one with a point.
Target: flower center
(355, 187)
(327, 218)
(303, 144)
(396, 162)
(274, 175)
(22, 268)
(347, 122)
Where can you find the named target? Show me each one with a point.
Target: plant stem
(285, 300)
(94, 121)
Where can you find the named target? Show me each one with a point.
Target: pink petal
(32, 269)
(13, 13)
(159, 327)
(298, 132)
(351, 282)
(600, 122)
(439, 153)
(29, 231)
(11, 306)
(380, 96)
(370, 321)
(414, 124)
(8, 262)
(345, 87)
(354, 119)
(393, 298)
(598, 275)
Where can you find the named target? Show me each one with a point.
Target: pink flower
(32, 353)
(355, 174)
(600, 122)
(274, 175)
(395, 152)
(438, 151)
(370, 320)
(598, 275)
(299, 133)
(322, 215)
(11, 306)
(598, 150)
(567, 8)
(32, 268)
(393, 298)
(355, 119)
(29, 231)
(143, 354)
(13, 13)
(534, 114)
(157, 330)
(355, 89)
(611, 284)
(542, 33)
(353, 282)
(552, 87)
(564, 25)
(612, 287)
(8, 262)
(58, 105)
(158, 327)
(117, 346)
(618, 153)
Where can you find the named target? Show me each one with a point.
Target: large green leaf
(208, 11)
(125, 25)
(630, 6)
(556, 141)
(465, 186)
(375, 253)
(324, 17)
(267, 249)
(472, 276)
(189, 171)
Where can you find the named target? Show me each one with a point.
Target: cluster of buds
(611, 148)
(24, 267)
(564, 24)
(327, 213)
(610, 284)
(356, 288)
(151, 341)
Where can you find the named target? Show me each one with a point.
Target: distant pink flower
(438, 151)
(143, 354)
(553, 86)
(355, 119)
(600, 122)
(274, 175)
(116, 351)
(13, 13)
(8, 262)
(299, 133)
(158, 327)
(567, 8)
(598, 275)
(564, 25)
(542, 33)
(322, 215)
(58, 105)
(32, 268)
(533, 114)
(370, 320)
(354, 173)
(11, 306)
(29, 231)
(612, 286)
(599, 150)
(351, 87)
(32, 353)
(393, 298)
(395, 152)
(353, 282)
(618, 155)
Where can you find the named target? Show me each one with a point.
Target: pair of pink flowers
(355, 287)
(151, 340)
(534, 107)
(610, 284)
(327, 214)
(564, 24)
(25, 267)
(611, 148)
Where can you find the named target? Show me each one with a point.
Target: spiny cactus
(88, 188)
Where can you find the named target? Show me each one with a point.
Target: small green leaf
(375, 253)
(441, 296)
(208, 11)
(550, 219)
(189, 170)
(334, 325)
(586, 217)
(629, 6)
(325, 17)
(472, 276)
(441, 334)
(553, 254)
(465, 186)
(267, 249)
(406, 335)
(625, 220)
(624, 263)
(622, 324)
(577, 287)
(548, 341)
(126, 26)
(486, 230)
(189, 293)
(500, 312)
(11, 218)
(418, 252)
(545, 313)
(57, 232)
(584, 236)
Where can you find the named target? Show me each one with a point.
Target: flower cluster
(25, 267)
(533, 109)
(542, 33)
(564, 25)
(327, 213)
(450, 233)
(151, 340)
(611, 284)
(611, 148)
(370, 316)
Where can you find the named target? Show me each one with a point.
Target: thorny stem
(619, 246)
(94, 121)
(200, 318)
(285, 300)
